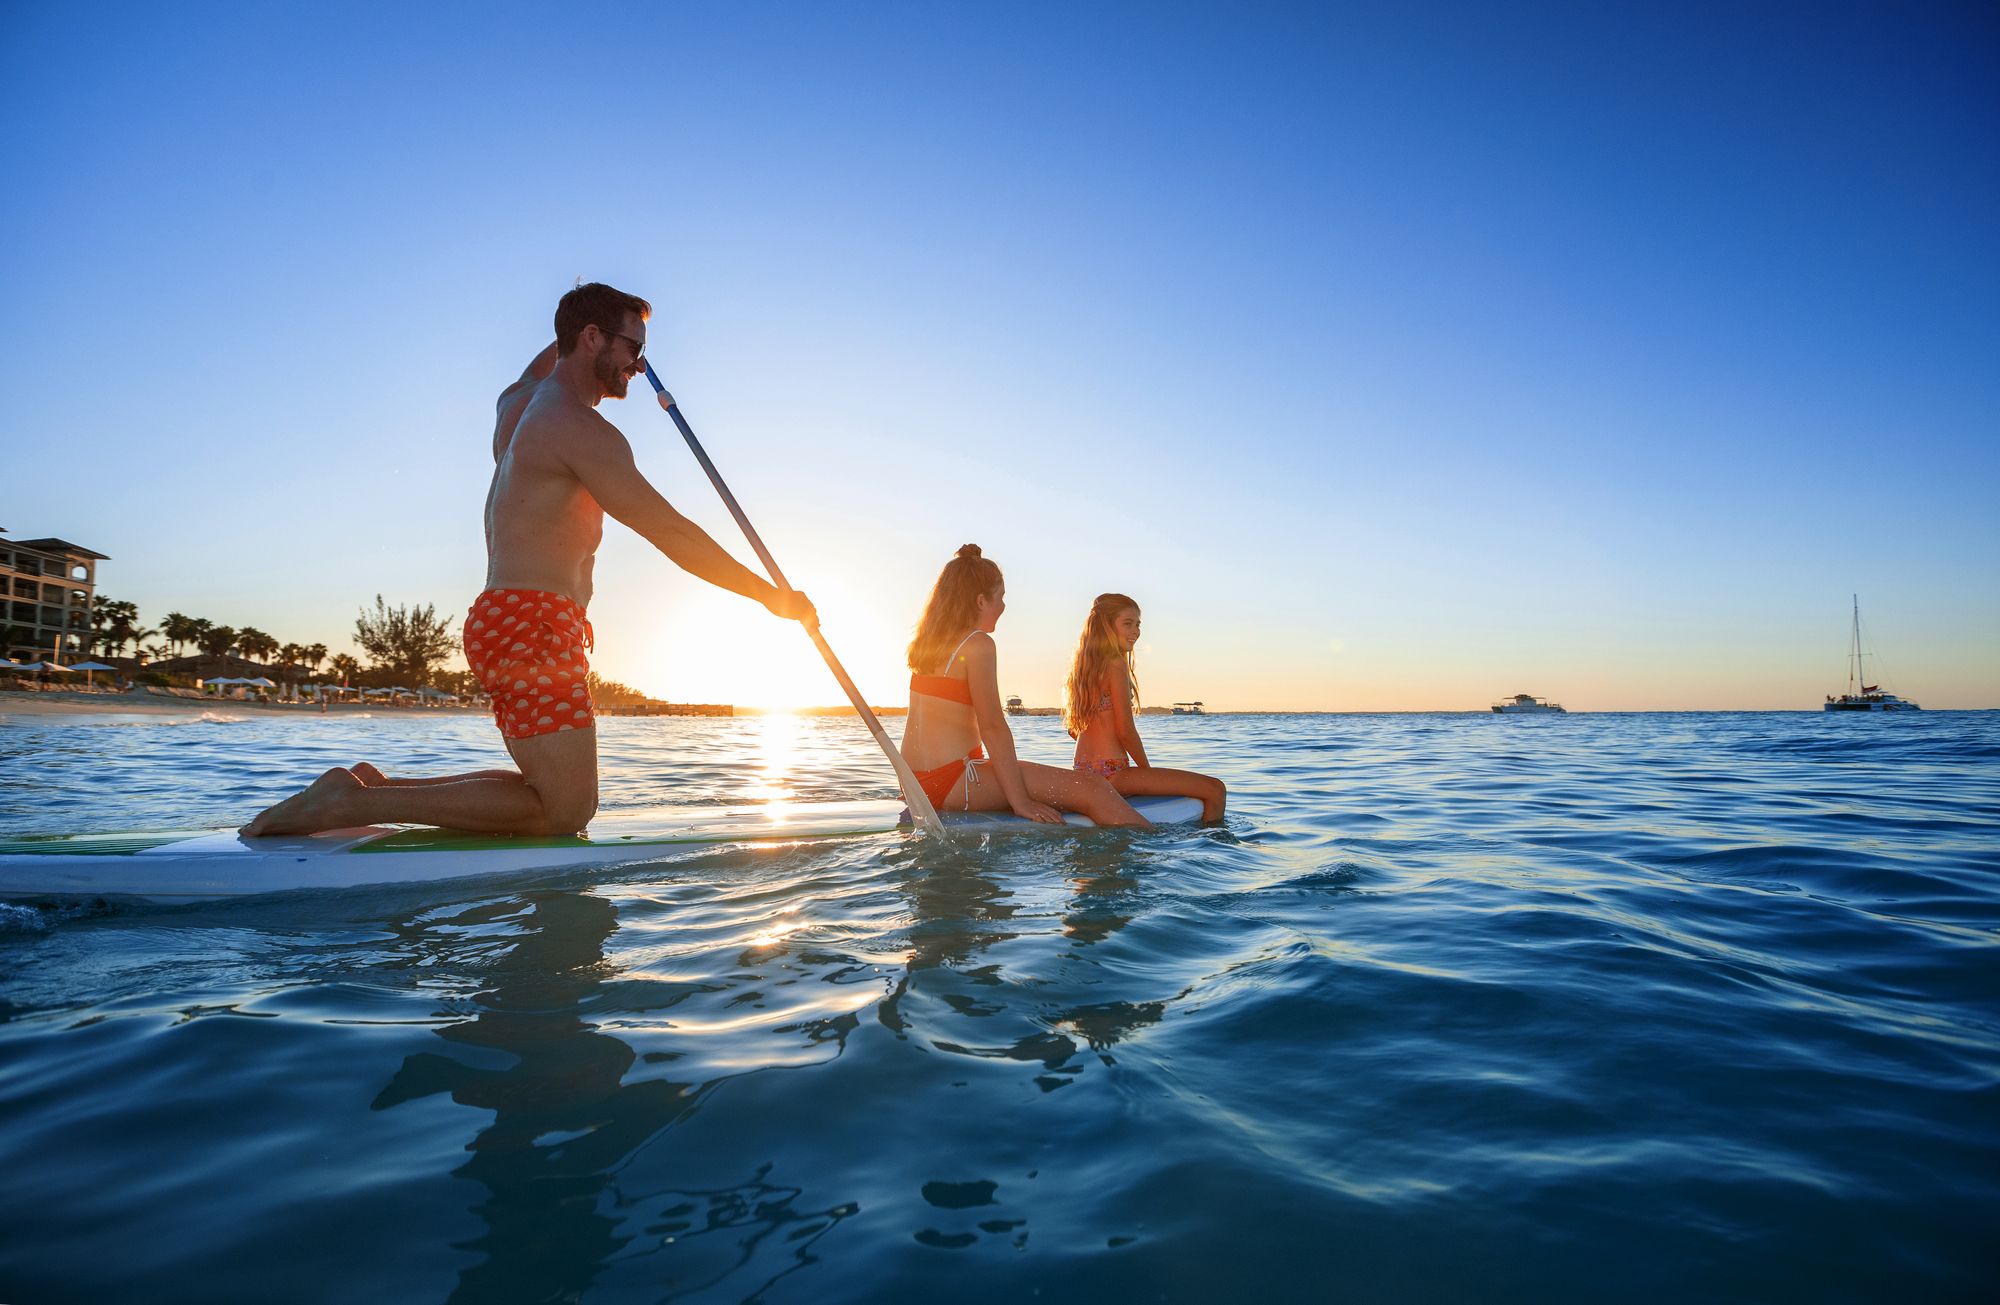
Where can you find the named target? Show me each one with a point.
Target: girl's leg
(371, 777)
(1065, 790)
(1157, 781)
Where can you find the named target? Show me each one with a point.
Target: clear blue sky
(1393, 357)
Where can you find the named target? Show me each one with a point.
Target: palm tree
(139, 634)
(180, 629)
(345, 667)
(216, 640)
(292, 654)
(113, 619)
(255, 644)
(315, 654)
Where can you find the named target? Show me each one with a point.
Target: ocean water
(1597, 1007)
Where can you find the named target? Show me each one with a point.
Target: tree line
(404, 645)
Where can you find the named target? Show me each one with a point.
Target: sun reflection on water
(777, 754)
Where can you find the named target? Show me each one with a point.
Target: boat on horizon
(1014, 707)
(1872, 697)
(1526, 704)
(1188, 709)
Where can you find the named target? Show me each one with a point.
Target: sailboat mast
(1854, 657)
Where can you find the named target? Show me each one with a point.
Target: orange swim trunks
(527, 648)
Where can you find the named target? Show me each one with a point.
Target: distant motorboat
(1523, 704)
(1014, 707)
(1871, 697)
(1188, 709)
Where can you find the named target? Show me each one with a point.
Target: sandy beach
(125, 704)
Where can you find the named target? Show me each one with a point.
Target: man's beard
(611, 378)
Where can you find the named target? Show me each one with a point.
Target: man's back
(542, 525)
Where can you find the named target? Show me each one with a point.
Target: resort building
(47, 587)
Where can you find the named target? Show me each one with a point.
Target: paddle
(913, 794)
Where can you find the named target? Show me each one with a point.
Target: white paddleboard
(185, 867)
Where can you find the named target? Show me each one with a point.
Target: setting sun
(710, 646)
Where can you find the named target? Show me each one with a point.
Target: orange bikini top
(944, 686)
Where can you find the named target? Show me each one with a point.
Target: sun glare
(777, 749)
(714, 647)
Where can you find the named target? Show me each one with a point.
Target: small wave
(40, 917)
(22, 919)
(150, 721)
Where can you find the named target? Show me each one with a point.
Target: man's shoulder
(552, 414)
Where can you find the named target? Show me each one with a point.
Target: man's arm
(602, 460)
(537, 371)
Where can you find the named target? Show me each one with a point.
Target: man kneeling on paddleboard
(558, 468)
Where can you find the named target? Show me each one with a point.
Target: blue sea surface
(1456, 1007)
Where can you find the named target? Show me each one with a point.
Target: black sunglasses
(638, 346)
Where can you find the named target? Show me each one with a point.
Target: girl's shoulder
(977, 644)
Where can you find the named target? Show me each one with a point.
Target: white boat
(1188, 709)
(1014, 707)
(1870, 697)
(1522, 704)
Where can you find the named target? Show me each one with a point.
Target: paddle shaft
(913, 793)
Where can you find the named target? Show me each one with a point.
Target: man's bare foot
(367, 773)
(322, 804)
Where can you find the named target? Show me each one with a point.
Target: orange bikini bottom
(937, 783)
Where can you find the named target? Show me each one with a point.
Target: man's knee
(568, 814)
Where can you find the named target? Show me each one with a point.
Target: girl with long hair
(1098, 713)
(956, 736)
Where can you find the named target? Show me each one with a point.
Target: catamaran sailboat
(1871, 697)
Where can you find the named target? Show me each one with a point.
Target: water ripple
(1454, 1007)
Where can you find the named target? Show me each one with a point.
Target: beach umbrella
(6, 665)
(90, 669)
(259, 683)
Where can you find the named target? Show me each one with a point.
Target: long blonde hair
(1097, 649)
(953, 607)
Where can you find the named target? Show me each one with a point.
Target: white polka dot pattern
(528, 649)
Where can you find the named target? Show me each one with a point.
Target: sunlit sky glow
(1395, 358)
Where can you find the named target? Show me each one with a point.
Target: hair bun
(968, 550)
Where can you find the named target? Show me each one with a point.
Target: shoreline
(60, 703)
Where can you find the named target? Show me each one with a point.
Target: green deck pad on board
(87, 844)
(459, 840)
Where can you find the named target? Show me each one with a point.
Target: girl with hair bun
(1097, 712)
(956, 720)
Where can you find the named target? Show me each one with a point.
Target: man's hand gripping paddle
(913, 794)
